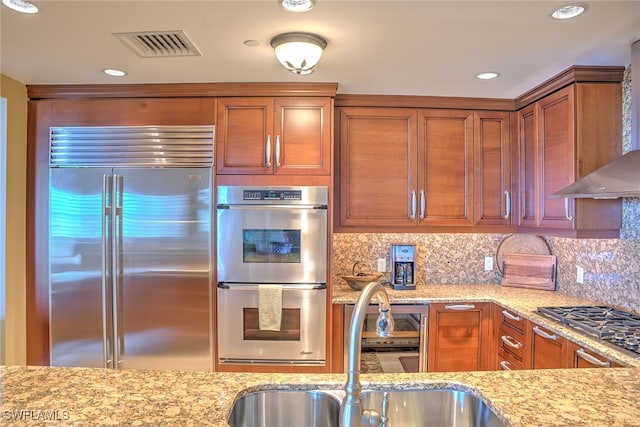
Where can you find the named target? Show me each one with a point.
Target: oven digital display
(271, 246)
(272, 195)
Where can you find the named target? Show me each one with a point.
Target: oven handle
(285, 286)
(270, 207)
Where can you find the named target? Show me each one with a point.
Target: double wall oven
(275, 238)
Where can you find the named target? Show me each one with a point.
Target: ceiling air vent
(154, 44)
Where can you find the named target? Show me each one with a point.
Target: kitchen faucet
(352, 414)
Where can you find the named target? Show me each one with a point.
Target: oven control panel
(272, 195)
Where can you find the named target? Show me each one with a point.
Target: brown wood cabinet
(265, 136)
(378, 166)
(548, 349)
(459, 337)
(563, 137)
(492, 168)
(445, 168)
(514, 336)
(433, 169)
(583, 358)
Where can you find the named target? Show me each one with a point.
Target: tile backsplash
(611, 266)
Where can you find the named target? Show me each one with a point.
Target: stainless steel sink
(414, 407)
(431, 408)
(272, 408)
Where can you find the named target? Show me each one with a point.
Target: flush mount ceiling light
(569, 11)
(298, 52)
(21, 6)
(297, 5)
(487, 75)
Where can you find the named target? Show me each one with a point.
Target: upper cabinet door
(266, 136)
(244, 133)
(556, 150)
(445, 166)
(492, 168)
(377, 172)
(528, 159)
(303, 136)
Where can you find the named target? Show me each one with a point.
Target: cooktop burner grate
(615, 326)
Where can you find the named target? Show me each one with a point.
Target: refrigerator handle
(118, 184)
(107, 289)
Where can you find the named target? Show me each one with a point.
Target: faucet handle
(384, 418)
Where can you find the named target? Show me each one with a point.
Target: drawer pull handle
(508, 315)
(507, 340)
(593, 360)
(543, 334)
(505, 365)
(460, 307)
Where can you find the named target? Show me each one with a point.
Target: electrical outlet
(382, 264)
(579, 274)
(488, 263)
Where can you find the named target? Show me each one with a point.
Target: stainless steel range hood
(621, 177)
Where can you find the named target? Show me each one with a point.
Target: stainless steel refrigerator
(131, 247)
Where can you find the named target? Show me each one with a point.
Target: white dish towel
(269, 307)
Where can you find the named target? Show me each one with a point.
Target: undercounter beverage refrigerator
(130, 247)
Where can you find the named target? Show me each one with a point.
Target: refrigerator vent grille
(159, 146)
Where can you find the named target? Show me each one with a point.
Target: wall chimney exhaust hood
(620, 177)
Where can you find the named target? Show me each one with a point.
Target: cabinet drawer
(583, 358)
(511, 343)
(516, 322)
(508, 362)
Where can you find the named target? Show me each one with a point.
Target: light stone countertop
(520, 301)
(101, 397)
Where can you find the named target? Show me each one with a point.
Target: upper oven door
(272, 244)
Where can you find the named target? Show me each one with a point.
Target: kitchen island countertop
(54, 396)
(45, 396)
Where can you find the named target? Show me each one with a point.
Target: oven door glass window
(271, 246)
(290, 330)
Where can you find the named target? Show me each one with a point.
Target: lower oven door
(302, 336)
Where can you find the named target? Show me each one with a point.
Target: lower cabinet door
(548, 350)
(459, 337)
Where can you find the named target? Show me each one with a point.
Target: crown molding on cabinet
(176, 90)
(405, 101)
(574, 74)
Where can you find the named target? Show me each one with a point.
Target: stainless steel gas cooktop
(617, 327)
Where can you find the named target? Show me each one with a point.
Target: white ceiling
(374, 47)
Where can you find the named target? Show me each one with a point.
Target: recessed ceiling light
(569, 11)
(114, 72)
(20, 6)
(488, 75)
(297, 5)
(251, 43)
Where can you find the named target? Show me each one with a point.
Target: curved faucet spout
(352, 413)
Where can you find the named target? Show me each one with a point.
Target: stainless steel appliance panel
(272, 241)
(78, 283)
(235, 346)
(131, 288)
